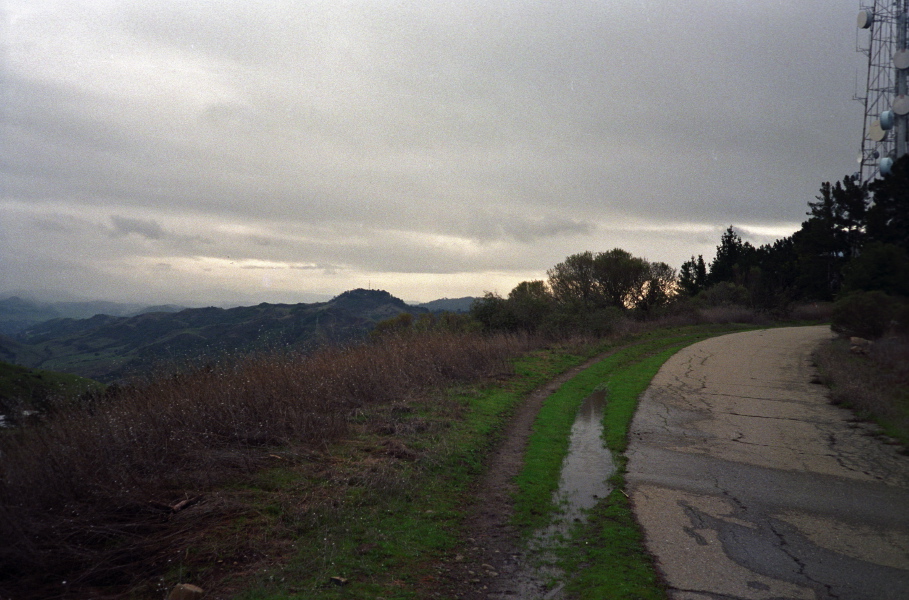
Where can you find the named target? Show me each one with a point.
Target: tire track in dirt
(489, 563)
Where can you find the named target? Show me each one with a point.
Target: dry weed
(80, 491)
(876, 385)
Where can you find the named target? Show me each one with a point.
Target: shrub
(867, 314)
(812, 311)
(883, 267)
(725, 293)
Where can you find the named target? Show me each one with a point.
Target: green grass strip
(606, 556)
(385, 544)
(388, 543)
(548, 444)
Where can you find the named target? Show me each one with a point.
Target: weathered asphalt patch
(749, 484)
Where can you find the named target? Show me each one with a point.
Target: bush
(725, 293)
(812, 311)
(869, 314)
(883, 267)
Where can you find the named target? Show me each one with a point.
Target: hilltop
(108, 348)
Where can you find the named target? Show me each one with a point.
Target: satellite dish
(875, 154)
(901, 59)
(876, 132)
(887, 118)
(886, 165)
(901, 105)
(865, 19)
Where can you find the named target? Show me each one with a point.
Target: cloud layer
(211, 152)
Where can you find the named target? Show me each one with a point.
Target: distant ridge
(108, 348)
(457, 305)
(18, 313)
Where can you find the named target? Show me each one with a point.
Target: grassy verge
(382, 519)
(387, 538)
(38, 389)
(605, 556)
(217, 472)
(625, 374)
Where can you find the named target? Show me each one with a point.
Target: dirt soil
(490, 561)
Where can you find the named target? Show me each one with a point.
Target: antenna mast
(885, 135)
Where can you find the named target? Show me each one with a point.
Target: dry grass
(84, 493)
(876, 386)
(814, 311)
(689, 314)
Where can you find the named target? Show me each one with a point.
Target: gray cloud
(146, 228)
(473, 141)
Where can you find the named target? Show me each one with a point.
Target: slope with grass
(347, 474)
(34, 389)
(393, 532)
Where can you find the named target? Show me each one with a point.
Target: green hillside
(34, 388)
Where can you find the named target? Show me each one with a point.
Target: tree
(693, 276)
(773, 282)
(880, 267)
(888, 217)
(493, 312)
(530, 303)
(573, 282)
(620, 278)
(841, 210)
(833, 234)
(659, 289)
(734, 258)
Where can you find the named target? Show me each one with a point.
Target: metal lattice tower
(885, 135)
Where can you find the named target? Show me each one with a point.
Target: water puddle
(588, 465)
(583, 482)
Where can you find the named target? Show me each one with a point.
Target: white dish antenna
(885, 135)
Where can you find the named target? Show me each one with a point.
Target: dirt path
(490, 563)
(750, 485)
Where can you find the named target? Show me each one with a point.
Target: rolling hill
(110, 348)
(18, 313)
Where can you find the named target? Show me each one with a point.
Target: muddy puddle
(588, 465)
(582, 484)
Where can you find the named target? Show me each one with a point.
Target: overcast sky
(241, 151)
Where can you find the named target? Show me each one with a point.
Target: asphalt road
(749, 484)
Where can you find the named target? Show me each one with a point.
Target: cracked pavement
(749, 484)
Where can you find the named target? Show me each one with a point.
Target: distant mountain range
(18, 314)
(110, 347)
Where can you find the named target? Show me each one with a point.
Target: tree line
(852, 249)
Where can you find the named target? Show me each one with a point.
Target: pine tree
(734, 259)
(888, 217)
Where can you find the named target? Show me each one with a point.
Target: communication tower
(885, 135)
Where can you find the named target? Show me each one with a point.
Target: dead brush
(876, 385)
(78, 489)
